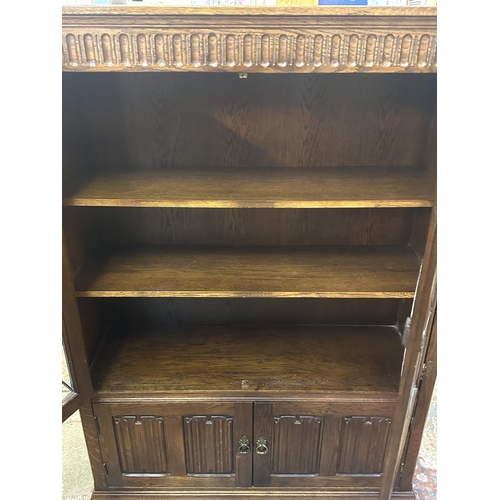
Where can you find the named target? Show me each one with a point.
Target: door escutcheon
(261, 446)
(244, 445)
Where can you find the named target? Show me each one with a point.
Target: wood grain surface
(246, 358)
(255, 188)
(276, 39)
(148, 121)
(285, 271)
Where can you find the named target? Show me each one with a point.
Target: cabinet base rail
(246, 494)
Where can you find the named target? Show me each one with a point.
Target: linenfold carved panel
(141, 444)
(209, 444)
(363, 444)
(296, 444)
(97, 49)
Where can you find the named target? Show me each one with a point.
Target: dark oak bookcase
(249, 260)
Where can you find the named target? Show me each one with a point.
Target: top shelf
(255, 188)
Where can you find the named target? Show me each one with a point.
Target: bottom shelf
(248, 359)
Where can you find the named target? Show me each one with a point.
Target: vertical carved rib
(195, 50)
(371, 43)
(317, 51)
(265, 59)
(208, 442)
(124, 50)
(107, 50)
(335, 57)
(247, 50)
(404, 59)
(422, 51)
(363, 444)
(300, 53)
(432, 52)
(413, 51)
(282, 41)
(141, 444)
(89, 49)
(142, 50)
(81, 49)
(212, 50)
(72, 50)
(177, 50)
(230, 50)
(296, 445)
(159, 50)
(352, 51)
(387, 52)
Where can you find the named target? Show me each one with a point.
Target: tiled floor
(77, 479)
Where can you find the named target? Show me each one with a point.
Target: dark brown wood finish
(241, 255)
(255, 188)
(249, 311)
(258, 271)
(428, 374)
(239, 494)
(73, 342)
(164, 226)
(248, 359)
(421, 322)
(319, 444)
(142, 122)
(136, 444)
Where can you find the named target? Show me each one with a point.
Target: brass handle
(261, 446)
(244, 445)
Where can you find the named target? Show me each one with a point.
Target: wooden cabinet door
(320, 444)
(176, 444)
(80, 383)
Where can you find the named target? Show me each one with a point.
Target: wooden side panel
(209, 444)
(362, 446)
(296, 444)
(141, 444)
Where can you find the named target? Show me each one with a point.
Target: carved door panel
(176, 445)
(320, 444)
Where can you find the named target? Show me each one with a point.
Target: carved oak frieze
(248, 43)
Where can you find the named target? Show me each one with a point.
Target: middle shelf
(251, 271)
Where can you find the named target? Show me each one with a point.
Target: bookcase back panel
(162, 226)
(199, 311)
(134, 121)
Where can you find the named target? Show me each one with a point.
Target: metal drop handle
(261, 446)
(244, 445)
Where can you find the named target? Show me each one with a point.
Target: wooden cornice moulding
(259, 39)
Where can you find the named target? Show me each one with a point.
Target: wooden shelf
(249, 358)
(255, 188)
(259, 271)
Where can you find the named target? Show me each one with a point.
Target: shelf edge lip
(241, 294)
(129, 203)
(348, 397)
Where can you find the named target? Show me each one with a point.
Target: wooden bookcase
(249, 247)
